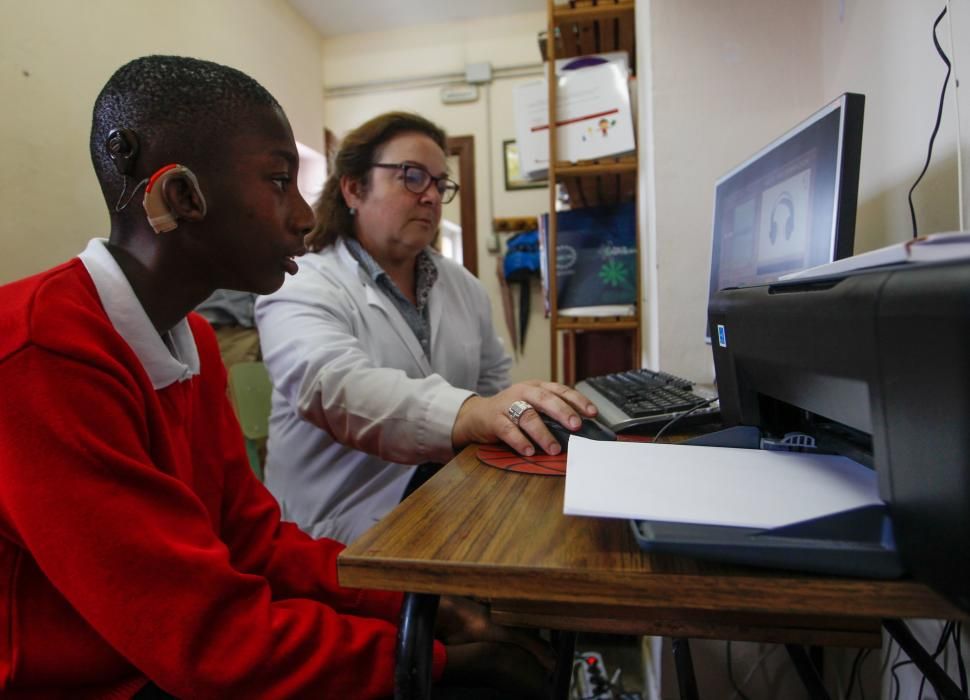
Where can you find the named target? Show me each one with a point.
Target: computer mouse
(588, 429)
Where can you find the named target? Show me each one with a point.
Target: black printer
(875, 365)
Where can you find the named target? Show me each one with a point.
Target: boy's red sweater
(135, 542)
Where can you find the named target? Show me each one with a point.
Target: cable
(939, 118)
(862, 687)
(940, 646)
(957, 634)
(860, 658)
(757, 664)
(668, 424)
(730, 671)
(896, 666)
(956, 105)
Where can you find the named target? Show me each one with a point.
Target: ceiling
(336, 17)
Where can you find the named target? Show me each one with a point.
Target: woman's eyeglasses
(418, 180)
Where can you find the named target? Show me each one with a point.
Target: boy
(139, 556)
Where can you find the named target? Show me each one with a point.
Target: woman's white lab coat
(351, 382)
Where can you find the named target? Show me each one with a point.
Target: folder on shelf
(596, 260)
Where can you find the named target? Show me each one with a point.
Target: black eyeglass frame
(447, 195)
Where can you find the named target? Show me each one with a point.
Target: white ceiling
(336, 17)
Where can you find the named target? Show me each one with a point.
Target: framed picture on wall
(513, 175)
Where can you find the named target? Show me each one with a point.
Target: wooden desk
(479, 531)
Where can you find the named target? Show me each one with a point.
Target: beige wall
(729, 77)
(443, 49)
(54, 57)
(885, 50)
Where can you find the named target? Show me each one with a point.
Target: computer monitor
(792, 205)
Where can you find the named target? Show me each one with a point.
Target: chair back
(250, 390)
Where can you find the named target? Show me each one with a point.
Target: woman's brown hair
(354, 159)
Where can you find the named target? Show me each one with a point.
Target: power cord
(940, 646)
(856, 672)
(757, 664)
(730, 671)
(939, 118)
(957, 636)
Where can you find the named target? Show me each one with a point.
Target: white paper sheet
(710, 485)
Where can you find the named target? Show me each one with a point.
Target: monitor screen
(792, 205)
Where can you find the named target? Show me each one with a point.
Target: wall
(885, 50)
(54, 58)
(730, 77)
(727, 78)
(405, 55)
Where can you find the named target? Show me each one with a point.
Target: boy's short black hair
(185, 103)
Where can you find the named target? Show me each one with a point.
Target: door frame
(463, 147)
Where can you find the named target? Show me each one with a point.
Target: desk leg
(415, 643)
(565, 646)
(943, 685)
(808, 672)
(686, 681)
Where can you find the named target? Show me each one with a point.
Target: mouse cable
(939, 118)
(684, 414)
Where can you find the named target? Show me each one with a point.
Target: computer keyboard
(641, 399)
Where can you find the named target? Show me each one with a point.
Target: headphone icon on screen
(784, 201)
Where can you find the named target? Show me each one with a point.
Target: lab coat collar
(376, 298)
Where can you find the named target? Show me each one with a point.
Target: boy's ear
(173, 195)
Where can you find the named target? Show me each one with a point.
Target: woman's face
(394, 224)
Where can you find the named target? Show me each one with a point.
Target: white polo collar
(165, 364)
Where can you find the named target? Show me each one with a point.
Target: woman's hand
(486, 420)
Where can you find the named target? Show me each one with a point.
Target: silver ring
(515, 411)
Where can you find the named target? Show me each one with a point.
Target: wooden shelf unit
(579, 28)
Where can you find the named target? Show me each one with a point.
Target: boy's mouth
(289, 263)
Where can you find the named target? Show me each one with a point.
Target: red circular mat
(504, 457)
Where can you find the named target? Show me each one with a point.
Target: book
(933, 248)
(596, 260)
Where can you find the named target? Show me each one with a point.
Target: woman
(382, 353)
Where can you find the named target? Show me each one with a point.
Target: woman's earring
(353, 212)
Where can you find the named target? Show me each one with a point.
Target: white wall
(885, 50)
(727, 78)
(442, 49)
(730, 77)
(55, 55)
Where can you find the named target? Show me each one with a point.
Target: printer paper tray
(857, 542)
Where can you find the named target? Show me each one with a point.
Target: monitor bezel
(848, 161)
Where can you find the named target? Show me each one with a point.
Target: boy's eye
(282, 181)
